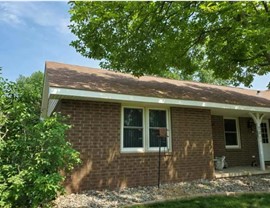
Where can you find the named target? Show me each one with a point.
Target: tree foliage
(230, 40)
(32, 152)
(31, 91)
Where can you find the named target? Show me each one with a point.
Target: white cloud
(9, 18)
(9, 14)
(44, 14)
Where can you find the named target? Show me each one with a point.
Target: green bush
(32, 152)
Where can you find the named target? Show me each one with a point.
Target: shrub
(32, 152)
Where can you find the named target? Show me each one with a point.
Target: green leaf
(216, 42)
(32, 152)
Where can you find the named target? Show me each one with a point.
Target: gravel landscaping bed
(105, 198)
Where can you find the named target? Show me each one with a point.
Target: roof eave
(60, 93)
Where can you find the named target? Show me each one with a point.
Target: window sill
(146, 153)
(230, 149)
(144, 150)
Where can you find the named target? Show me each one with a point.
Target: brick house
(116, 120)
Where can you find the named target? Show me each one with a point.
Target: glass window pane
(263, 125)
(230, 124)
(154, 139)
(231, 138)
(265, 141)
(264, 136)
(157, 118)
(133, 117)
(133, 137)
(264, 133)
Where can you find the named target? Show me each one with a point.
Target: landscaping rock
(128, 196)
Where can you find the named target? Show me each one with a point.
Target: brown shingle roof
(84, 78)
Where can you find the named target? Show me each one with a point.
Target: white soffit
(51, 106)
(55, 93)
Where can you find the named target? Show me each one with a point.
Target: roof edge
(45, 95)
(154, 77)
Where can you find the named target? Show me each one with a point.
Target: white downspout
(258, 120)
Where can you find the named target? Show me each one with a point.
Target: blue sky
(34, 32)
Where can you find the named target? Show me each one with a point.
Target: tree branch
(194, 42)
(267, 56)
(264, 54)
(144, 19)
(2, 135)
(202, 35)
(265, 6)
(162, 6)
(254, 7)
(264, 64)
(177, 12)
(169, 7)
(247, 59)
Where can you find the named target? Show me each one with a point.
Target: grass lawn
(260, 200)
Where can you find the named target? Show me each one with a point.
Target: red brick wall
(96, 134)
(192, 143)
(235, 157)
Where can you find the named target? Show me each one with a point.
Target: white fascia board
(55, 92)
(45, 97)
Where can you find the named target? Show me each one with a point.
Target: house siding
(95, 133)
(235, 157)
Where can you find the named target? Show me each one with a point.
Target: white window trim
(145, 147)
(238, 146)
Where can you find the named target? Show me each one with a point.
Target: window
(133, 128)
(157, 120)
(264, 133)
(140, 129)
(232, 136)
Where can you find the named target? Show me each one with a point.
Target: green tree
(204, 76)
(230, 40)
(32, 152)
(31, 91)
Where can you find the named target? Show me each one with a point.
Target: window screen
(133, 127)
(264, 133)
(230, 128)
(157, 120)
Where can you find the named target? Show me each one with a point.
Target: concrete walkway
(240, 171)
